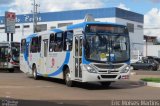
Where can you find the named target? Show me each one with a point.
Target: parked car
(154, 57)
(146, 64)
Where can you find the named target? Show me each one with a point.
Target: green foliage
(151, 80)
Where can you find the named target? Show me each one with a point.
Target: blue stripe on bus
(60, 70)
(56, 30)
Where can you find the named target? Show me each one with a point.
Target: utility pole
(35, 9)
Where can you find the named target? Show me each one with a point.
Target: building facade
(151, 46)
(50, 20)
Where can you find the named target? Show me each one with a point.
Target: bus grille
(108, 71)
(108, 76)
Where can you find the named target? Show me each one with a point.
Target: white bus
(9, 55)
(85, 52)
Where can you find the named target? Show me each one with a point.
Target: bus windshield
(15, 50)
(107, 45)
(3, 53)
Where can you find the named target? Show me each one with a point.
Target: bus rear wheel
(67, 78)
(34, 73)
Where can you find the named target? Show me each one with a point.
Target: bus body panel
(51, 64)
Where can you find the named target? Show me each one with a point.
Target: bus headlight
(126, 69)
(90, 69)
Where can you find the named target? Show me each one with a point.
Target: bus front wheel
(67, 78)
(34, 72)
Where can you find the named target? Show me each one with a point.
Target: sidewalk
(137, 75)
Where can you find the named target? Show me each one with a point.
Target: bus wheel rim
(34, 73)
(68, 77)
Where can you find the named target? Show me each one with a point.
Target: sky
(149, 8)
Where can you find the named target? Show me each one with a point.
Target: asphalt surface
(27, 91)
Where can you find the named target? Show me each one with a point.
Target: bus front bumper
(97, 77)
(10, 64)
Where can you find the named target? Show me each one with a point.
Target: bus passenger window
(39, 44)
(52, 43)
(34, 45)
(68, 38)
(58, 42)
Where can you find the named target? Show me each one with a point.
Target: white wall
(152, 50)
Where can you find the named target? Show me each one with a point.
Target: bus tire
(67, 78)
(11, 70)
(105, 84)
(34, 72)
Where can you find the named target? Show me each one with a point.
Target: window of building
(26, 26)
(41, 27)
(140, 26)
(23, 45)
(2, 27)
(68, 39)
(63, 24)
(130, 27)
(52, 27)
(17, 26)
(34, 45)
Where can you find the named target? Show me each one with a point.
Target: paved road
(19, 86)
(147, 72)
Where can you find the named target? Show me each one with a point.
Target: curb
(133, 73)
(151, 84)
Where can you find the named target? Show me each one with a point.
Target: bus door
(44, 56)
(78, 56)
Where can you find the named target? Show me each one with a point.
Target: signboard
(10, 19)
